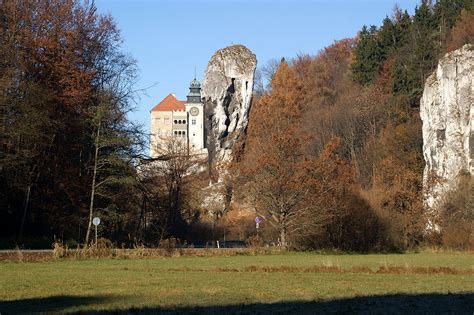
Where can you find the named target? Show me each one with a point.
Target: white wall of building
(195, 126)
(161, 127)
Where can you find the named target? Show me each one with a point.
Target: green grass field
(291, 282)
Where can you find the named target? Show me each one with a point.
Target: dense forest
(334, 139)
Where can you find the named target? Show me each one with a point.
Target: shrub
(169, 245)
(457, 216)
(255, 241)
(59, 250)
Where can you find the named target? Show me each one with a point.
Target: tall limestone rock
(447, 111)
(226, 93)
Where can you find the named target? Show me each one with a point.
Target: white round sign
(96, 221)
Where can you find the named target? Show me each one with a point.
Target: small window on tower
(175, 121)
(193, 122)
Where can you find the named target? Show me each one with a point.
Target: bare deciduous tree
(176, 174)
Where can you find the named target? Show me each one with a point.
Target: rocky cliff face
(227, 92)
(447, 111)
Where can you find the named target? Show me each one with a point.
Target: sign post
(96, 222)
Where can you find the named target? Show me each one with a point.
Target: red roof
(169, 103)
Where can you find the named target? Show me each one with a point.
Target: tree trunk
(283, 237)
(27, 200)
(91, 205)
(138, 233)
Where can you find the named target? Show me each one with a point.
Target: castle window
(184, 121)
(166, 121)
(180, 122)
(157, 121)
(175, 121)
(175, 132)
(193, 122)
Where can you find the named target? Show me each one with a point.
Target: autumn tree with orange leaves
(297, 193)
(274, 156)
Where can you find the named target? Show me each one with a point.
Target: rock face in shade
(447, 112)
(227, 93)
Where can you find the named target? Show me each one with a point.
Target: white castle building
(182, 119)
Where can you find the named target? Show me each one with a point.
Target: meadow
(280, 283)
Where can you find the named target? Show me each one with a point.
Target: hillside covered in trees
(333, 157)
(347, 121)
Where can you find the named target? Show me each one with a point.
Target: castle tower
(195, 111)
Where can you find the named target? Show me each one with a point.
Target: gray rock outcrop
(227, 92)
(447, 112)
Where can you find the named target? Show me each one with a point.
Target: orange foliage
(463, 32)
(327, 74)
(60, 49)
(396, 191)
(301, 195)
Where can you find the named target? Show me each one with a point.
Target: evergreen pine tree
(425, 35)
(369, 56)
(388, 36)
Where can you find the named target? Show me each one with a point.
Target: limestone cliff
(227, 92)
(447, 112)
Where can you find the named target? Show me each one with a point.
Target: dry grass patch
(392, 270)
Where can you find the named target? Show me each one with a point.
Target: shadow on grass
(50, 304)
(459, 303)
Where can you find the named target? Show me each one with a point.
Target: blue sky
(170, 38)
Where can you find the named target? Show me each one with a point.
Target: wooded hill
(334, 139)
